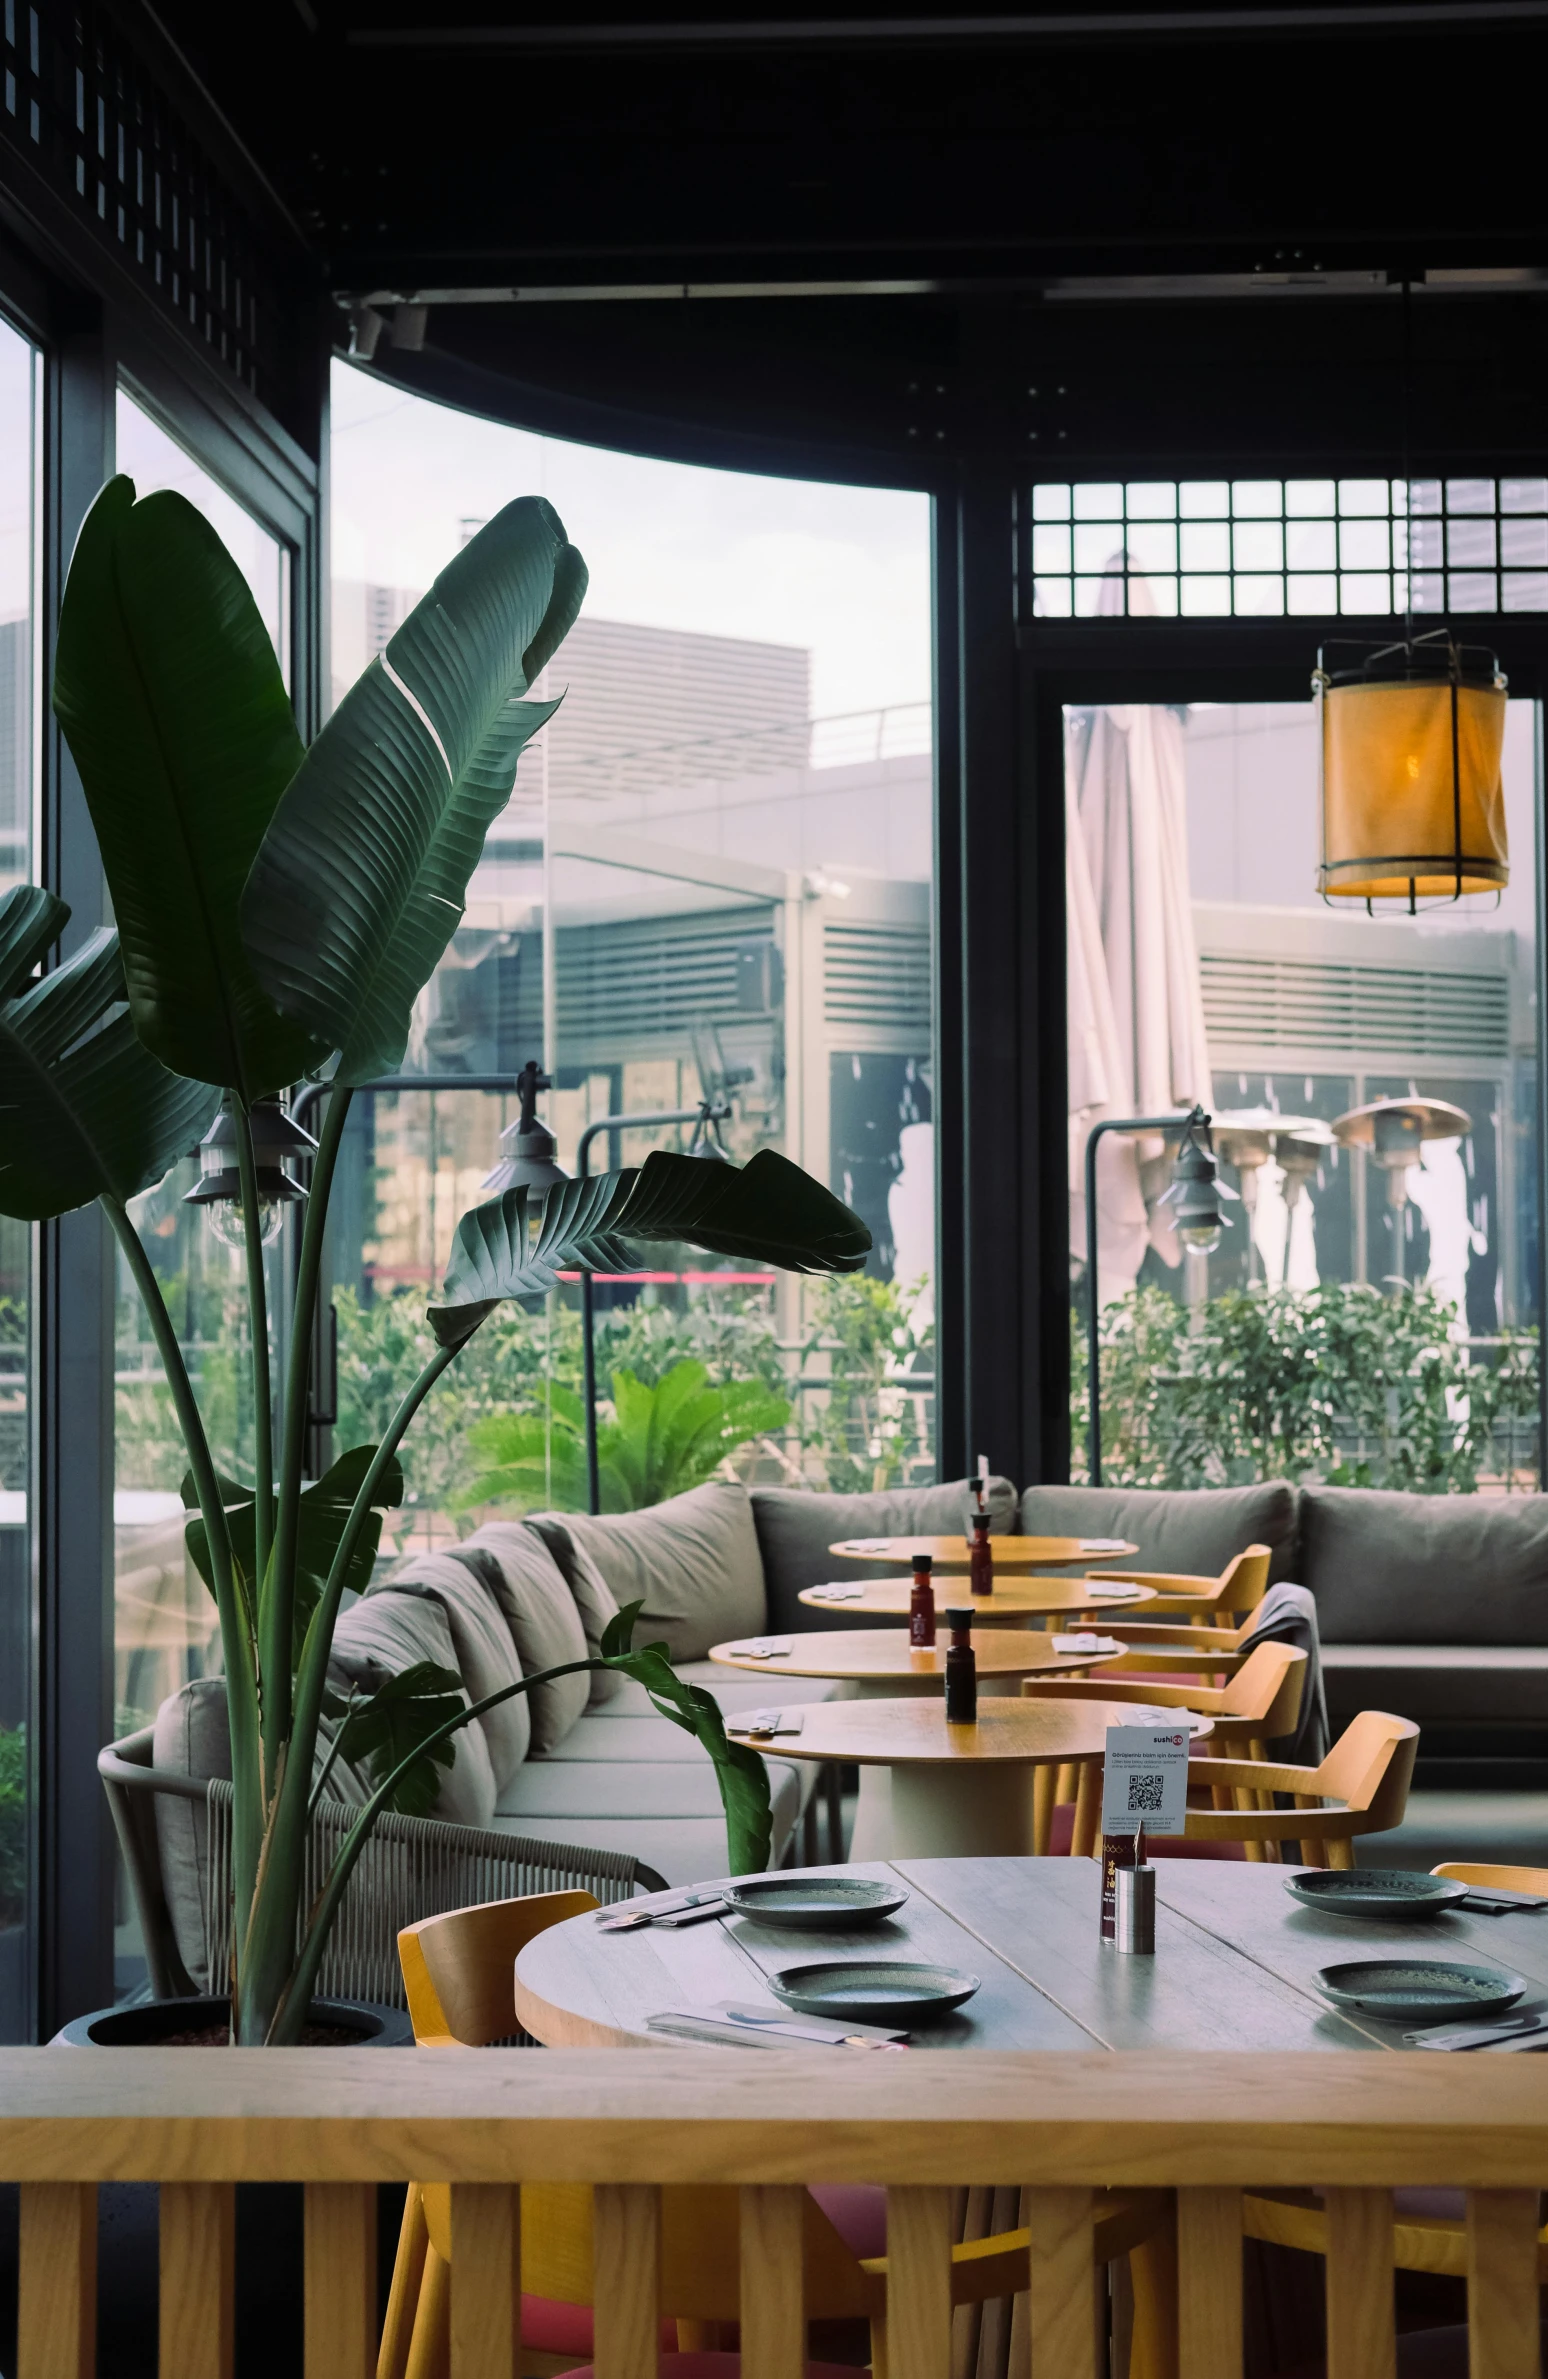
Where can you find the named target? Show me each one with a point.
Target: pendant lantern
(1413, 806)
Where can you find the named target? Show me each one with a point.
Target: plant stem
(277, 1620)
(234, 1613)
(263, 1404)
(267, 1956)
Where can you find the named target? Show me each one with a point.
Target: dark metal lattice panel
(85, 108)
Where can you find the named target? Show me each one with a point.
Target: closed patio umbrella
(1137, 1043)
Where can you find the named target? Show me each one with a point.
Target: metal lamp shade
(1413, 805)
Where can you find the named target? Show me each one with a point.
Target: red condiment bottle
(921, 1606)
(980, 1557)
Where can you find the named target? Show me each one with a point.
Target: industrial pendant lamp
(1410, 738)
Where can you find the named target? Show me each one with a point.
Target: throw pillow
(693, 1562)
(486, 1654)
(393, 1630)
(545, 1626)
(796, 1527)
(1195, 1530)
(593, 1596)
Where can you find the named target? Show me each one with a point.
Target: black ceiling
(1184, 229)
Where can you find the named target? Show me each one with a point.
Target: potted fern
(279, 909)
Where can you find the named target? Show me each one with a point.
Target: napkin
(769, 2028)
(1104, 1544)
(1100, 1590)
(1515, 2032)
(837, 1594)
(1087, 1643)
(872, 1544)
(764, 1723)
(763, 1648)
(1494, 1900)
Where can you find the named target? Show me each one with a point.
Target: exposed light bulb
(228, 1225)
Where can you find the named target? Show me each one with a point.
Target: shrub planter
(350, 2023)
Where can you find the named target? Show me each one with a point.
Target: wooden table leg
(1088, 1810)
(1042, 1810)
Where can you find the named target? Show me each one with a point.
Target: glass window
(21, 395)
(165, 1633)
(1355, 1325)
(1348, 545)
(712, 880)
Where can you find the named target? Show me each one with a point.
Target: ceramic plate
(1397, 1895)
(816, 1903)
(880, 1992)
(1419, 1991)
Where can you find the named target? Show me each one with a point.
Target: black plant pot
(145, 2026)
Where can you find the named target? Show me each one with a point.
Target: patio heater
(1195, 1193)
(1393, 1132)
(1247, 1137)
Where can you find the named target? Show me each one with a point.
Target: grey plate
(1419, 1990)
(814, 1903)
(1395, 1894)
(879, 1991)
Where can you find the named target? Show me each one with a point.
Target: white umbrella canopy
(1136, 1011)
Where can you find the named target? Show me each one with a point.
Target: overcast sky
(844, 571)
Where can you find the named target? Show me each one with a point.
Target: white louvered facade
(1264, 1001)
(877, 976)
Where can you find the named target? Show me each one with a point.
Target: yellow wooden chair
(1240, 1586)
(1490, 1877)
(458, 1972)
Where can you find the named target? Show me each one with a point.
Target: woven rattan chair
(412, 1867)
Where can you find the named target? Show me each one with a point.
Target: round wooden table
(880, 1662)
(1012, 1603)
(929, 1790)
(1010, 1552)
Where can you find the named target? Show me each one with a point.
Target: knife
(681, 1908)
(1515, 2032)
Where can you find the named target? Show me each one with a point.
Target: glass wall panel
(21, 396)
(164, 1621)
(711, 881)
(1364, 1326)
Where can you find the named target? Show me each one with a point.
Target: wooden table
(929, 1790)
(1013, 1602)
(875, 1662)
(955, 1552)
(1234, 1967)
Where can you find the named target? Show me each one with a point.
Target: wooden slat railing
(1058, 2126)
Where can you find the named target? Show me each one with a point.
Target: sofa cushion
(1195, 1530)
(692, 1561)
(544, 1623)
(796, 1527)
(191, 1739)
(1426, 1569)
(391, 1631)
(594, 1598)
(486, 1656)
(1438, 1683)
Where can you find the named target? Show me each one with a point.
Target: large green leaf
(169, 692)
(363, 874)
(769, 1211)
(323, 1509)
(84, 1107)
(740, 1773)
(378, 1733)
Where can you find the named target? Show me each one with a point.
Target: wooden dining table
(931, 1790)
(1235, 1963)
(882, 1662)
(1012, 1602)
(1009, 1552)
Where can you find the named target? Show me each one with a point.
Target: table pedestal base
(977, 1811)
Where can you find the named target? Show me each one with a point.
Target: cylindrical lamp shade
(1413, 805)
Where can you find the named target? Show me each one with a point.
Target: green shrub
(665, 1437)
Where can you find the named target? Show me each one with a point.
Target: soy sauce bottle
(961, 1671)
(980, 1557)
(921, 1605)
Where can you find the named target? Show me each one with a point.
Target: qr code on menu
(1145, 1792)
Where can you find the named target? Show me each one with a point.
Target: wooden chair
(1489, 1876)
(1261, 1703)
(1240, 1586)
(457, 1972)
(1360, 1788)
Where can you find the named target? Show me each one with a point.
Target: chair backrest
(1267, 1690)
(1370, 1766)
(457, 1973)
(1244, 1581)
(1489, 1877)
(457, 1968)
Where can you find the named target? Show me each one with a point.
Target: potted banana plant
(279, 909)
